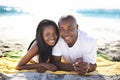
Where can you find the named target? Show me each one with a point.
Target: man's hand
(80, 66)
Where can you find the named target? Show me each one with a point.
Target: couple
(77, 49)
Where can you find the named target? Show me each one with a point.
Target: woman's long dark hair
(44, 50)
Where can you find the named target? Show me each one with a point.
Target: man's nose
(66, 33)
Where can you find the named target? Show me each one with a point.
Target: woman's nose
(51, 37)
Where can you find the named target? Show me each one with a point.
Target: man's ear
(77, 26)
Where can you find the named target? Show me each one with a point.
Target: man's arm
(56, 60)
(88, 61)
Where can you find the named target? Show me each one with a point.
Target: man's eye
(71, 29)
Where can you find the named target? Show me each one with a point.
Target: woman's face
(50, 35)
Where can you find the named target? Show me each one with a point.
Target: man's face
(68, 31)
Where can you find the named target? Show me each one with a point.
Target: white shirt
(84, 46)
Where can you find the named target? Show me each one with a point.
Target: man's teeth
(67, 37)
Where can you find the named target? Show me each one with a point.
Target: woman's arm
(47, 66)
(30, 54)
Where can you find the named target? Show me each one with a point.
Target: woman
(47, 35)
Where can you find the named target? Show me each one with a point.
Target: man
(75, 46)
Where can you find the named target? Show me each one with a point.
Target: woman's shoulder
(33, 43)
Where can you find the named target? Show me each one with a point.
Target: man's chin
(68, 41)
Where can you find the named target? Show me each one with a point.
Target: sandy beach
(16, 33)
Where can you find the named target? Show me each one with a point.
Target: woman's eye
(54, 34)
(47, 34)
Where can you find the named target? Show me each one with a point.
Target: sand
(17, 34)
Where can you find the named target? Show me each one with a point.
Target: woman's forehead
(48, 28)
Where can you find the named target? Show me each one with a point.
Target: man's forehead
(67, 18)
(66, 25)
(67, 21)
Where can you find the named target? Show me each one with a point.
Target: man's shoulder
(60, 42)
(85, 37)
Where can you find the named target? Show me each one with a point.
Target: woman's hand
(18, 68)
(41, 69)
(50, 67)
